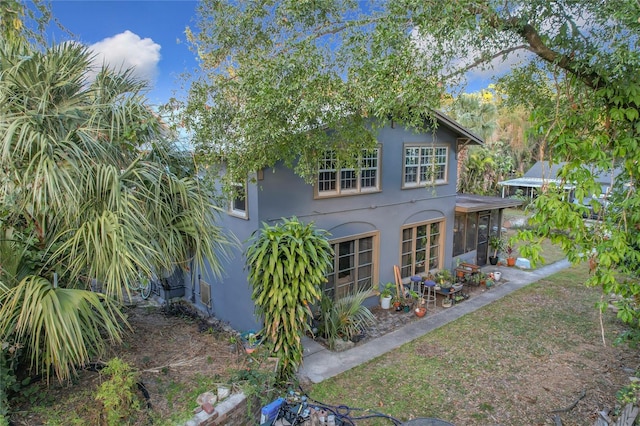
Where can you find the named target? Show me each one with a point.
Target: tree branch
(537, 46)
(487, 58)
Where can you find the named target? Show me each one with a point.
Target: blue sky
(147, 34)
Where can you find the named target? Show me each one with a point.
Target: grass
(498, 365)
(551, 252)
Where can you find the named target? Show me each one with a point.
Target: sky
(147, 34)
(150, 35)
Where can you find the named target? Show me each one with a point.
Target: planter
(493, 260)
(511, 261)
(445, 290)
(406, 308)
(420, 312)
(385, 302)
(250, 340)
(497, 275)
(447, 303)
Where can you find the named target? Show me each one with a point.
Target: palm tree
(88, 195)
(475, 113)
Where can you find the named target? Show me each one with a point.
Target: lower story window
(422, 246)
(354, 266)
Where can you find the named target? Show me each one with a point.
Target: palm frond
(60, 328)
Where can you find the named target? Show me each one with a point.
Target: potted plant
(511, 260)
(396, 301)
(386, 295)
(443, 277)
(411, 301)
(459, 271)
(250, 340)
(479, 278)
(445, 286)
(497, 243)
(420, 310)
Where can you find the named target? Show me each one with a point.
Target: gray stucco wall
(281, 193)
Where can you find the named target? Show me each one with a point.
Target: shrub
(344, 318)
(118, 393)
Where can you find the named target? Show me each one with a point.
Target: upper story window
(238, 202)
(335, 180)
(424, 165)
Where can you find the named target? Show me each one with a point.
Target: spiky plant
(287, 264)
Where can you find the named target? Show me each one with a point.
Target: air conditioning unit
(205, 293)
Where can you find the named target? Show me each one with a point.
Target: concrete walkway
(320, 363)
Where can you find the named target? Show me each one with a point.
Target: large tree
(90, 197)
(277, 74)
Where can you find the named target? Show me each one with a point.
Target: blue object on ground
(270, 411)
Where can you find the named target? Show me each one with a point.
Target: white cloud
(500, 66)
(466, 58)
(128, 50)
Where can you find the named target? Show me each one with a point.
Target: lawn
(511, 363)
(514, 219)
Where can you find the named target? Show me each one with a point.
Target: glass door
(482, 244)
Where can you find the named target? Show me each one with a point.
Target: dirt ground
(172, 349)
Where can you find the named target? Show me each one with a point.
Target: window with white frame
(238, 202)
(424, 165)
(336, 180)
(421, 248)
(354, 265)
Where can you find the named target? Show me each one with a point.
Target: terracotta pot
(511, 261)
(420, 312)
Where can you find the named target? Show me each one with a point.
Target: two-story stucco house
(399, 208)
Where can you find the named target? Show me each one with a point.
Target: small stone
(223, 393)
(206, 398)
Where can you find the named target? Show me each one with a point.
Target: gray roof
(459, 128)
(468, 203)
(543, 170)
(544, 173)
